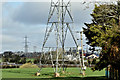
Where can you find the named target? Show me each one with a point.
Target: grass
(48, 74)
(0, 59)
(59, 78)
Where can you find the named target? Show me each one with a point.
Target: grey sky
(30, 18)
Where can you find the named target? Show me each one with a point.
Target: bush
(29, 65)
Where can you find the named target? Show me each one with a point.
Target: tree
(5, 59)
(104, 32)
(11, 57)
(36, 61)
(15, 59)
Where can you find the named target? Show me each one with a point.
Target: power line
(34, 48)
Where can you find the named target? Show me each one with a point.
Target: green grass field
(71, 74)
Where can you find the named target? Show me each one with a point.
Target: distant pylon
(26, 44)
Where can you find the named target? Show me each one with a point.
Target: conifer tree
(104, 32)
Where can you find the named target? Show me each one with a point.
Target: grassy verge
(48, 73)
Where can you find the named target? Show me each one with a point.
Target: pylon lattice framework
(61, 27)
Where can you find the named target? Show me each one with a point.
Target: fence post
(118, 74)
(110, 73)
(107, 72)
(114, 74)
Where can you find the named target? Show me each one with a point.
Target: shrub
(29, 65)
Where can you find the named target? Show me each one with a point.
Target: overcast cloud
(30, 18)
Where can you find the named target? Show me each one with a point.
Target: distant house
(92, 56)
(8, 53)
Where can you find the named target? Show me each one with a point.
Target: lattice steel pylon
(60, 24)
(26, 46)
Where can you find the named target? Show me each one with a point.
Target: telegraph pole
(81, 60)
(82, 49)
(83, 65)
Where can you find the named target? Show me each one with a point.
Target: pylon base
(57, 75)
(37, 74)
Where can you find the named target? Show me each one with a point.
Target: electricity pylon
(26, 45)
(59, 24)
